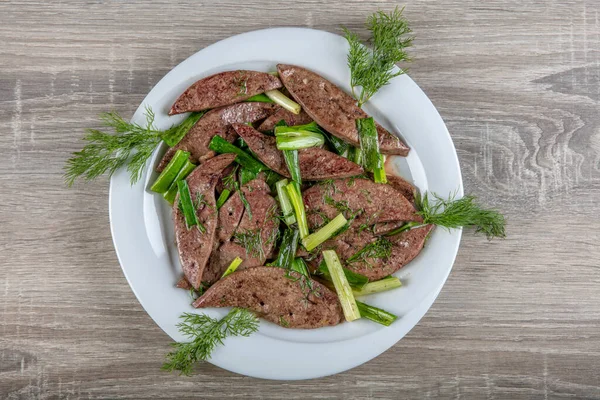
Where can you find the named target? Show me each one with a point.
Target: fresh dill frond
(372, 68)
(251, 241)
(464, 212)
(206, 334)
(129, 146)
(381, 248)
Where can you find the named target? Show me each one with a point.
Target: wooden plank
(518, 84)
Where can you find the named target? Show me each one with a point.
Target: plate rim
(416, 312)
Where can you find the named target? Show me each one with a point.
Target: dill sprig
(130, 145)
(372, 68)
(463, 212)
(381, 248)
(206, 333)
(251, 241)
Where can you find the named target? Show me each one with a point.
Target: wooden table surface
(518, 84)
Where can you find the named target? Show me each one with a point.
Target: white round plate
(143, 234)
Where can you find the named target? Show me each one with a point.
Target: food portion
(216, 122)
(281, 296)
(315, 163)
(194, 243)
(286, 116)
(332, 108)
(223, 89)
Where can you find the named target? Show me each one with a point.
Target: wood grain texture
(518, 83)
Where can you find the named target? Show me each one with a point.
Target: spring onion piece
(406, 227)
(221, 146)
(246, 176)
(311, 127)
(175, 134)
(357, 281)
(261, 98)
(369, 143)
(342, 287)
(232, 267)
(287, 249)
(316, 238)
(167, 176)
(293, 165)
(376, 314)
(187, 206)
(284, 101)
(299, 266)
(355, 155)
(299, 140)
(284, 201)
(293, 190)
(223, 198)
(187, 168)
(387, 283)
(338, 145)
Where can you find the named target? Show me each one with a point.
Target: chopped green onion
(338, 145)
(284, 202)
(369, 143)
(299, 266)
(299, 140)
(310, 127)
(221, 146)
(187, 206)
(246, 176)
(387, 283)
(376, 314)
(355, 155)
(223, 198)
(342, 287)
(293, 190)
(284, 101)
(187, 168)
(326, 232)
(261, 98)
(406, 227)
(293, 164)
(232, 267)
(175, 134)
(357, 281)
(287, 249)
(167, 176)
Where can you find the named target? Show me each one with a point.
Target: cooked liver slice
(289, 117)
(405, 247)
(223, 89)
(194, 246)
(277, 295)
(315, 163)
(403, 186)
(216, 122)
(332, 108)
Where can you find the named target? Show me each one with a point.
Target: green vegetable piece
(246, 176)
(174, 135)
(376, 314)
(284, 101)
(187, 206)
(223, 198)
(232, 267)
(287, 249)
(261, 98)
(299, 140)
(284, 201)
(382, 285)
(342, 287)
(168, 175)
(300, 266)
(369, 144)
(187, 168)
(295, 196)
(221, 146)
(316, 238)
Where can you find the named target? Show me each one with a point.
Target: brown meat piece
(194, 246)
(255, 236)
(403, 186)
(223, 89)
(216, 122)
(372, 203)
(332, 108)
(315, 163)
(289, 117)
(404, 248)
(281, 296)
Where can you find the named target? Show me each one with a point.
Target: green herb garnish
(206, 334)
(381, 248)
(251, 241)
(372, 68)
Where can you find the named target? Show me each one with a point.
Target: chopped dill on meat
(251, 241)
(381, 248)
